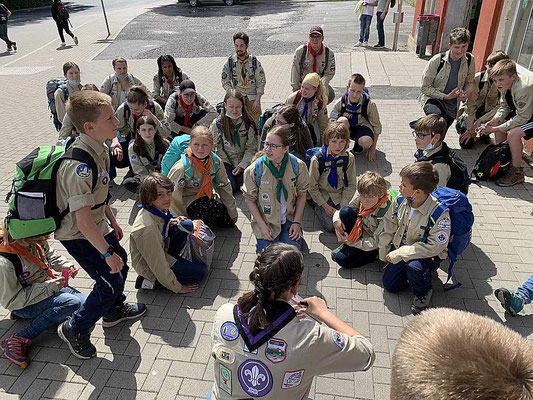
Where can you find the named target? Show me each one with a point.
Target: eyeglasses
(273, 146)
(420, 136)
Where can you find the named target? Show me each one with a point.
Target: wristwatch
(110, 252)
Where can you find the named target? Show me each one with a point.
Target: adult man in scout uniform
(243, 71)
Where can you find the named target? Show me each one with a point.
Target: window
(520, 47)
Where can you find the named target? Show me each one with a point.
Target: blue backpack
(462, 219)
(320, 153)
(258, 169)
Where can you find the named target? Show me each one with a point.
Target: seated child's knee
(365, 142)
(344, 121)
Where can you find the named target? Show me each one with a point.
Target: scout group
(186, 174)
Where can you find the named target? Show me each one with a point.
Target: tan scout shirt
(283, 368)
(126, 128)
(411, 248)
(111, 86)
(185, 191)
(13, 295)
(325, 68)
(522, 93)
(67, 129)
(141, 165)
(174, 112)
(317, 118)
(433, 84)
(255, 78)
(488, 97)
(61, 102)
(164, 90)
(307, 140)
(74, 189)
(320, 189)
(240, 156)
(373, 122)
(148, 251)
(265, 195)
(442, 168)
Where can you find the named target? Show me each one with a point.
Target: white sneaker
(358, 44)
(365, 44)
(63, 44)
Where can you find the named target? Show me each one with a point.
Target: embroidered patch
(265, 197)
(444, 223)
(224, 378)
(225, 355)
(181, 182)
(229, 331)
(133, 157)
(267, 209)
(101, 173)
(334, 115)
(196, 184)
(226, 143)
(441, 237)
(339, 339)
(246, 350)
(83, 171)
(224, 75)
(255, 378)
(105, 180)
(276, 350)
(292, 379)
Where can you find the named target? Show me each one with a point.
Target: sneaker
(512, 302)
(358, 44)
(124, 312)
(514, 176)
(14, 44)
(9, 48)
(15, 349)
(365, 44)
(76, 40)
(378, 46)
(420, 303)
(79, 343)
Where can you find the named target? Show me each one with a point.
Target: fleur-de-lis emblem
(254, 377)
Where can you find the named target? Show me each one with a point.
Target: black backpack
(364, 107)
(269, 112)
(304, 54)
(441, 62)
(493, 163)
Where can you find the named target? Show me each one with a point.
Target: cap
(316, 29)
(187, 86)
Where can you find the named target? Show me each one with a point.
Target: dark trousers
(3, 35)
(212, 212)
(235, 180)
(414, 273)
(108, 290)
(381, 29)
(63, 26)
(189, 272)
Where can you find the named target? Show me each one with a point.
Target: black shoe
(139, 282)
(79, 343)
(14, 44)
(124, 312)
(378, 46)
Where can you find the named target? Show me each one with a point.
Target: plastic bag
(358, 9)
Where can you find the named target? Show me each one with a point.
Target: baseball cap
(187, 86)
(316, 29)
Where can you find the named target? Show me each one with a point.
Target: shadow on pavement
(31, 16)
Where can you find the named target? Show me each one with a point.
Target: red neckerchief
(40, 261)
(315, 54)
(188, 111)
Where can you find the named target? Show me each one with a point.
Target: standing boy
(4, 16)
(381, 14)
(365, 21)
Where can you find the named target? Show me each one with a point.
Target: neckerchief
(315, 54)
(40, 261)
(188, 111)
(305, 111)
(236, 136)
(357, 229)
(153, 161)
(206, 189)
(278, 174)
(244, 81)
(352, 110)
(136, 117)
(171, 82)
(167, 217)
(333, 179)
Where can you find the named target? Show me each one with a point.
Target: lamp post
(105, 17)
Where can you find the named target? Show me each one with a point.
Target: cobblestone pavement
(166, 354)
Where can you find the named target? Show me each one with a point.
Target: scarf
(354, 120)
(357, 230)
(244, 81)
(315, 54)
(280, 187)
(40, 261)
(333, 178)
(206, 189)
(167, 217)
(305, 111)
(188, 111)
(236, 136)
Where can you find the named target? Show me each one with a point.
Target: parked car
(194, 3)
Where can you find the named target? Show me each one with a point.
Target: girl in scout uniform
(145, 153)
(118, 84)
(203, 190)
(270, 345)
(167, 79)
(68, 130)
(71, 71)
(334, 186)
(235, 137)
(275, 186)
(311, 101)
(151, 238)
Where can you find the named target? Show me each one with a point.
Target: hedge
(19, 4)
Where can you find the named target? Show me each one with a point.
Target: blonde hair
(503, 67)
(337, 130)
(201, 131)
(85, 106)
(446, 354)
(371, 183)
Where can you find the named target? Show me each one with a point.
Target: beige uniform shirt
(74, 189)
(318, 118)
(141, 165)
(111, 86)
(300, 68)
(148, 251)
(67, 129)
(240, 156)
(185, 191)
(522, 93)
(442, 168)
(164, 90)
(60, 101)
(174, 111)
(320, 189)
(373, 122)
(283, 368)
(410, 247)
(488, 97)
(255, 77)
(13, 295)
(126, 127)
(265, 195)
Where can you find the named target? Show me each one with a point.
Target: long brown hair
(227, 128)
(139, 146)
(291, 115)
(280, 131)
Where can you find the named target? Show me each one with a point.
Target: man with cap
(184, 109)
(314, 57)
(244, 72)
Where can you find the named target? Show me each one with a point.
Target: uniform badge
(224, 378)
(292, 379)
(225, 355)
(196, 184)
(339, 339)
(441, 237)
(267, 209)
(224, 75)
(276, 350)
(105, 181)
(226, 143)
(133, 157)
(83, 171)
(229, 331)
(255, 378)
(334, 115)
(181, 182)
(265, 197)
(444, 223)
(265, 182)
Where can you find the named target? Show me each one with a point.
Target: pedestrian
(381, 13)
(61, 17)
(365, 21)
(4, 16)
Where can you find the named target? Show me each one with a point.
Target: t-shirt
(368, 10)
(451, 105)
(381, 5)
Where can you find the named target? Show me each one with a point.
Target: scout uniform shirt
(143, 166)
(126, 127)
(300, 68)
(166, 88)
(74, 189)
(148, 250)
(320, 189)
(442, 168)
(405, 232)
(307, 140)
(281, 361)
(487, 99)
(265, 195)
(522, 99)
(67, 129)
(60, 101)
(185, 190)
(250, 82)
(236, 155)
(373, 122)
(317, 117)
(175, 114)
(111, 86)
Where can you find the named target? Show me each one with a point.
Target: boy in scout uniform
(118, 84)
(243, 71)
(412, 253)
(89, 231)
(360, 114)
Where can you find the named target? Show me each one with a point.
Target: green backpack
(32, 201)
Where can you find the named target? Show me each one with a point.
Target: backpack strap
(327, 62)
(433, 218)
(441, 62)
(468, 59)
(298, 97)
(294, 163)
(152, 106)
(180, 75)
(254, 63)
(64, 88)
(127, 112)
(258, 172)
(343, 104)
(17, 263)
(302, 58)
(186, 167)
(232, 72)
(481, 81)
(364, 107)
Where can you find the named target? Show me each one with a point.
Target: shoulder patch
(339, 339)
(229, 331)
(292, 379)
(444, 223)
(83, 171)
(276, 350)
(225, 355)
(441, 237)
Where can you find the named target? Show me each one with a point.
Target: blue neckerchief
(333, 178)
(167, 217)
(352, 110)
(153, 161)
(305, 111)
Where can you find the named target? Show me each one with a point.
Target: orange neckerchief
(207, 185)
(357, 230)
(244, 81)
(40, 261)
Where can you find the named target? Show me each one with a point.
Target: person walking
(61, 17)
(4, 16)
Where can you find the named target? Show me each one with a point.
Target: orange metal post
(442, 9)
(489, 17)
(419, 9)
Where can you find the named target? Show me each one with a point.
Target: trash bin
(426, 32)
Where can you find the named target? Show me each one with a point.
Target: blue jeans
(365, 28)
(414, 273)
(188, 272)
(108, 290)
(526, 289)
(49, 312)
(381, 29)
(283, 237)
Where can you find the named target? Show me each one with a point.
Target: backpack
(51, 86)
(258, 169)
(200, 245)
(63, 12)
(441, 62)
(364, 106)
(492, 163)
(269, 112)
(304, 54)
(32, 199)
(17, 264)
(320, 153)
(233, 71)
(461, 218)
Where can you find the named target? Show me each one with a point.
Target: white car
(194, 3)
